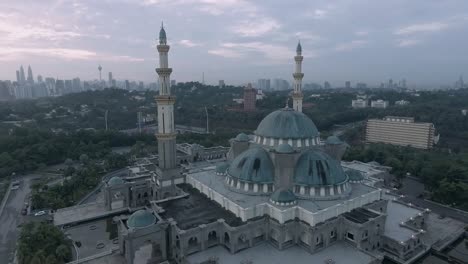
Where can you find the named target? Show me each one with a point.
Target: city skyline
(238, 41)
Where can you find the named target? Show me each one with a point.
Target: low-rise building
(359, 103)
(379, 104)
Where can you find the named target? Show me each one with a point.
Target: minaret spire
(298, 75)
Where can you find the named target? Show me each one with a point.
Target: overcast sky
(424, 41)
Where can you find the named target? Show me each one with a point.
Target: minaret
(298, 75)
(166, 133)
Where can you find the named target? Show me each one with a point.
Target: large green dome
(252, 165)
(316, 168)
(140, 219)
(287, 124)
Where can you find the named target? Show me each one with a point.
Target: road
(11, 218)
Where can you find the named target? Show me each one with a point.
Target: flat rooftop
(340, 253)
(360, 215)
(208, 177)
(196, 209)
(84, 212)
(397, 213)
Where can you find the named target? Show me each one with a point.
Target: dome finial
(287, 103)
(162, 24)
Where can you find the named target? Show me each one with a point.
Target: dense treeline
(25, 149)
(444, 175)
(77, 184)
(41, 243)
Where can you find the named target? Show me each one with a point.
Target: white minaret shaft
(166, 132)
(298, 75)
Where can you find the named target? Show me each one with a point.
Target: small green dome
(222, 167)
(283, 196)
(115, 181)
(242, 137)
(284, 148)
(287, 124)
(315, 167)
(333, 140)
(140, 219)
(252, 165)
(354, 175)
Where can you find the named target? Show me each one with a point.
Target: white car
(40, 213)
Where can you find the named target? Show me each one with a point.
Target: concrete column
(255, 188)
(312, 191)
(322, 191)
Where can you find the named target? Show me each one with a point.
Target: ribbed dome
(283, 196)
(141, 218)
(284, 148)
(252, 165)
(316, 168)
(115, 181)
(287, 124)
(242, 137)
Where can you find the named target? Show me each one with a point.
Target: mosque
(278, 195)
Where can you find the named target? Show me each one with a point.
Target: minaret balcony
(166, 136)
(163, 48)
(165, 99)
(298, 58)
(164, 71)
(297, 95)
(298, 75)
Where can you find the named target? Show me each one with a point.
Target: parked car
(40, 213)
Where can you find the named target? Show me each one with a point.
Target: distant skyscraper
(264, 84)
(5, 93)
(50, 85)
(361, 85)
(390, 83)
(460, 83)
(22, 77)
(30, 75)
(39, 78)
(221, 84)
(18, 77)
(100, 69)
(59, 87)
(110, 79)
(173, 83)
(76, 85)
(250, 98)
(348, 84)
(141, 86)
(127, 85)
(68, 86)
(326, 85)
